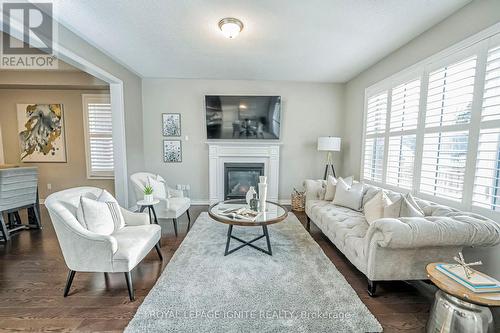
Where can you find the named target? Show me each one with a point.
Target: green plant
(148, 190)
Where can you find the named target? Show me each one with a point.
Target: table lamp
(329, 144)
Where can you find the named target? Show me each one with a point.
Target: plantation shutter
(447, 119)
(404, 112)
(374, 139)
(99, 135)
(487, 176)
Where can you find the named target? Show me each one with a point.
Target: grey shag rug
(297, 289)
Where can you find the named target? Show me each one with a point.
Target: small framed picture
(172, 151)
(171, 124)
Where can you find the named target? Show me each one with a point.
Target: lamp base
(326, 171)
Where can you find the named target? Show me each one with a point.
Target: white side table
(143, 204)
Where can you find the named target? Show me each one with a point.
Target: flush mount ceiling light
(230, 27)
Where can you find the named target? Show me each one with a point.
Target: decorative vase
(249, 195)
(148, 197)
(262, 196)
(254, 203)
(263, 179)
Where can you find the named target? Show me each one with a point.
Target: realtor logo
(27, 42)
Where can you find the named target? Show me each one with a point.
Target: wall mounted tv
(243, 117)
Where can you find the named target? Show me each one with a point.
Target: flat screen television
(243, 117)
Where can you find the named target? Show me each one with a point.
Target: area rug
(297, 289)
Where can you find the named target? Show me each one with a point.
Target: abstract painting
(172, 151)
(41, 132)
(171, 124)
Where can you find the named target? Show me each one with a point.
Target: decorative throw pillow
(393, 208)
(90, 221)
(374, 208)
(158, 186)
(97, 216)
(331, 184)
(349, 196)
(409, 207)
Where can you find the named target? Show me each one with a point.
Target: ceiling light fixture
(230, 27)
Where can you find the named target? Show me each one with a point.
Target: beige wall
(309, 110)
(471, 19)
(60, 175)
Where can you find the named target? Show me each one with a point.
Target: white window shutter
(99, 136)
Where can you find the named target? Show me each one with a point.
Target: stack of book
(240, 213)
(477, 281)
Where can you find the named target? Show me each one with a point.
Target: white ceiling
(296, 40)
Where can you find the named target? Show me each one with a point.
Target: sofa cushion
(374, 208)
(409, 208)
(331, 185)
(158, 186)
(349, 196)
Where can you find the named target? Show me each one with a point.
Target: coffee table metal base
(248, 243)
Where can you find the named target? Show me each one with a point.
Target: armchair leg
(308, 227)
(157, 247)
(130, 287)
(189, 219)
(175, 226)
(3, 229)
(372, 288)
(69, 281)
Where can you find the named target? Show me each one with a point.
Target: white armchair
(171, 207)
(86, 251)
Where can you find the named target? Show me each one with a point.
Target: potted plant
(148, 193)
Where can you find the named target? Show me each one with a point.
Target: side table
(457, 309)
(143, 204)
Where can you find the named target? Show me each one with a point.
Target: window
(98, 136)
(487, 179)
(434, 129)
(405, 100)
(374, 140)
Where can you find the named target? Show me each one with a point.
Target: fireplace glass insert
(238, 177)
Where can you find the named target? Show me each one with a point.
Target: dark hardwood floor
(33, 275)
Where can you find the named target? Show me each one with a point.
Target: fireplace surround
(221, 153)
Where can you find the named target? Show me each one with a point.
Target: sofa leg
(130, 287)
(189, 219)
(175, 226)
(308, 227)
(372, 288)
(157, 247)
(69, 281)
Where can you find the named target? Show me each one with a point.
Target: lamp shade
(329, 143)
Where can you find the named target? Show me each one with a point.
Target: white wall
(468, 21)
(309, 110)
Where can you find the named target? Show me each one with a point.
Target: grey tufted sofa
(397, 249)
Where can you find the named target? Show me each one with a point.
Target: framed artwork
(172, 151)
(41, 132)
(171, 123)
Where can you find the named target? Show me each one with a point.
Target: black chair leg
(69, 281)
(175, 226)
(130, 287)
(308, 227)
(189, 219)
(157, 247)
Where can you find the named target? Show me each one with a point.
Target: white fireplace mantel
(220, 153)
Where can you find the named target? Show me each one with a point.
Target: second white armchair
(172, 203)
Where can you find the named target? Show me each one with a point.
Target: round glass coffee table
(224, 212)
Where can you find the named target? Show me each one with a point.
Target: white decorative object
(148, 197)
(460, 259)
(220, 153)
(263, 179)
(249, 196)
(262, 196)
